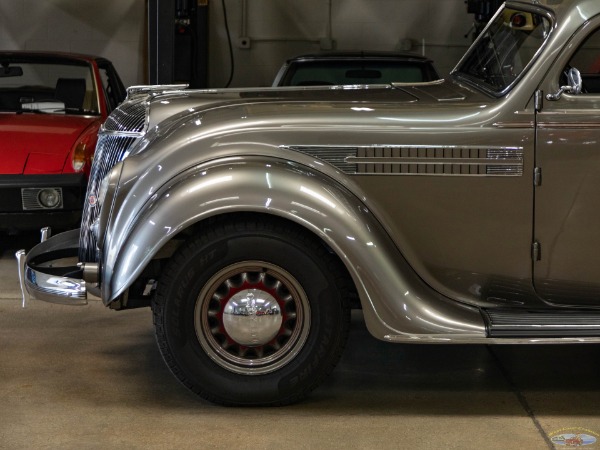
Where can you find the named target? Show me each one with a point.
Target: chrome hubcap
(252, 317)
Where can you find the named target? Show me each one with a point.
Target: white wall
(110, 28)
(278, 29)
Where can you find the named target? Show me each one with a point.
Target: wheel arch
(394, 299)
(175, 215)
(236, 217)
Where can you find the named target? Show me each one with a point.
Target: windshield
(504, 50)
(50, 88)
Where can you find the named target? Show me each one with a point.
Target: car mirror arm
(574, 86)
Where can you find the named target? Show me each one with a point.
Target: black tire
(232, 349)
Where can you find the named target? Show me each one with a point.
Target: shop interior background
(263, 32)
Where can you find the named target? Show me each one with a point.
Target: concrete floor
(88, 377)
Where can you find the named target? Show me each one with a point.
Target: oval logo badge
(573, 437)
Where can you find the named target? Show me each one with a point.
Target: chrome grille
(109, 151)
(129, 118)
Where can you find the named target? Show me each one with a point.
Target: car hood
(165, 105)
(39, 143)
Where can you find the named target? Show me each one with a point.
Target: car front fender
(395, 300)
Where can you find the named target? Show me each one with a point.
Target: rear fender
(395, 301)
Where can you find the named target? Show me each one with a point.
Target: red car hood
(39, 143)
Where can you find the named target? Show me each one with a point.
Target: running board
(514, 323)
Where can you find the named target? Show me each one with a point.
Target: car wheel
(252, 313)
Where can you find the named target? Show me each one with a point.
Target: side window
(587, 60)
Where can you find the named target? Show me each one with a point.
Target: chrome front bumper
(48, 272)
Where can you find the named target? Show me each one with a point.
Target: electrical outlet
(244, 42)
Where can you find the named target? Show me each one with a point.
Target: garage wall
(277, 29)
(110, 28)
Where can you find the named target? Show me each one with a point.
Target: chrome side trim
(568, 125)
(457, 339)
(514, 125)
(432, 161)
(470, 161)
(419, 83)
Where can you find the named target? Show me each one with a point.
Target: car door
(567, 193)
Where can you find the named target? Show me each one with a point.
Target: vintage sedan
(456, 211)
(51, 108)
(344, 68)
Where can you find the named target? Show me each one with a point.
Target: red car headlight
(81, 157)
(82, 152)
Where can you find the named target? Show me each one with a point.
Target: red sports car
(51, 107)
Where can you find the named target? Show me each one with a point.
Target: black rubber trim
(59, 180)
(63, 245)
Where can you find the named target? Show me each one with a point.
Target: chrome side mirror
(574, 85)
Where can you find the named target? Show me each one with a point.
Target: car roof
(47, 56)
